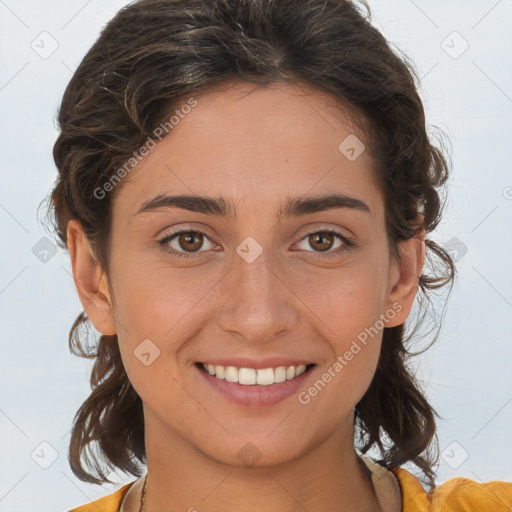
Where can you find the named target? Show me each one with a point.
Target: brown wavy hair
(147, 58)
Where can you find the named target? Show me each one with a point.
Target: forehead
(243, 141)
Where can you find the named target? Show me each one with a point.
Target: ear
(90, 280)
(404, 278)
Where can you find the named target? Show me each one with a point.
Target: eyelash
(348, 243)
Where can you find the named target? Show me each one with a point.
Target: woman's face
(260, 282)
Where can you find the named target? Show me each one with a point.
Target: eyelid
(168, 237)
(347, 242)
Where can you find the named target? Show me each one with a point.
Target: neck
(328, 477)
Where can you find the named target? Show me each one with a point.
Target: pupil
(323, 237)
(187, 240)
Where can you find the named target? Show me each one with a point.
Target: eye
(186, 240)
(323, 241)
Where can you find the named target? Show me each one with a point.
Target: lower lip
(255, 395)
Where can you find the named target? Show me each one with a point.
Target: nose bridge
(257, 304)
(253, 275)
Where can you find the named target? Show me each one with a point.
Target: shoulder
(455, 495)
(461, 493)
(109, 503)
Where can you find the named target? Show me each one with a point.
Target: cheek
(346, 309)
(350, 323)
(345, 300)
(151, 295)
(340, 385)
(158, 309)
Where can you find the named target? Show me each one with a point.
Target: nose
(257, 303)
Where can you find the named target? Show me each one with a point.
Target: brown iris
(321, 238)
(187, 238)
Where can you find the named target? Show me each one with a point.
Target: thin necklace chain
(141, 508)
(367, 471)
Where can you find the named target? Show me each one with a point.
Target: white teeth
(250, 376)
(290, 373)
(280, 374)
(265, 376)
(220, 372)
(231, 374)
(247, 376)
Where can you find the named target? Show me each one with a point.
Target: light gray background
(467, 372)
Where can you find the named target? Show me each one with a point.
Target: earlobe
(90, 280)
(404, 288)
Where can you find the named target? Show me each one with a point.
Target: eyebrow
(293, 207)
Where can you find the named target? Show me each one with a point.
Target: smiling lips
(255, 383)
(255, 376)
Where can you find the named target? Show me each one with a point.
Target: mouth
(253, 387)
(255, 376)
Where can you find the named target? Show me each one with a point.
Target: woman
(245, 188)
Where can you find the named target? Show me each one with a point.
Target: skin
(258, 146)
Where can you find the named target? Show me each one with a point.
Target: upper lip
(268, 362)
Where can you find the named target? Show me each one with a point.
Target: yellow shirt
(456, 495)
